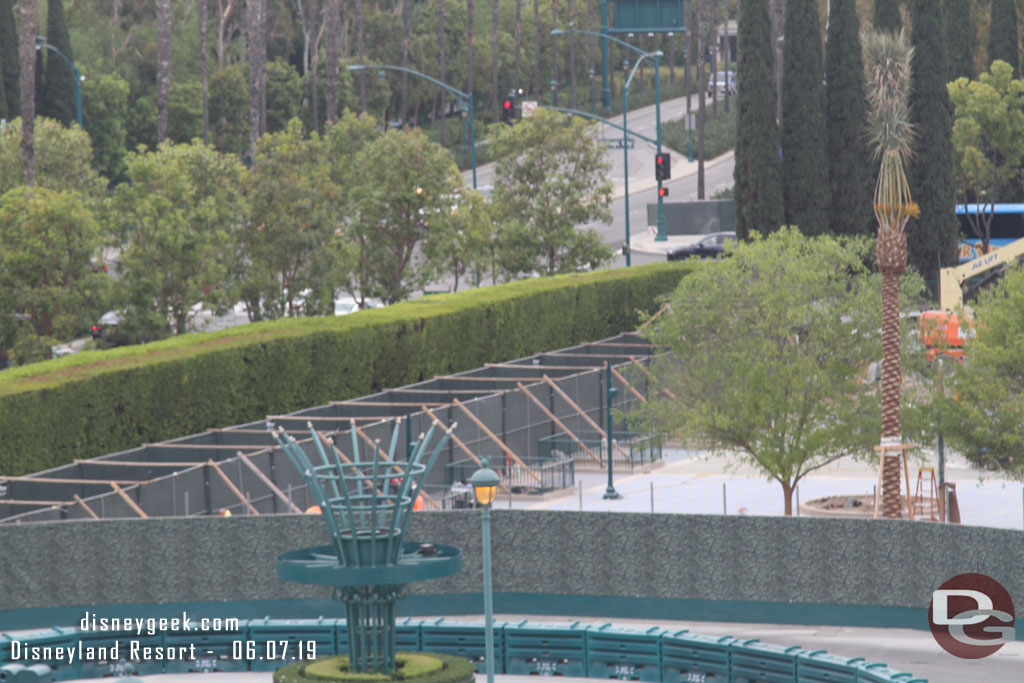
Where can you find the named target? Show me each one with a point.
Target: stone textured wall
(700, 557)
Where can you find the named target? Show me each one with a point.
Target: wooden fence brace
(493, 437)
(131, 503)
(231, 486)
(558, 422)
(652, 377)
(86, 507)
(629, 386)
(266, 481)
(572, 404)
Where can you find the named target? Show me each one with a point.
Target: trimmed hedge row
(100, 402)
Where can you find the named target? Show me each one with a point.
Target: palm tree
(29, 29)
(887, 60)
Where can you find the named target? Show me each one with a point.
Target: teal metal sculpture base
(319, 565)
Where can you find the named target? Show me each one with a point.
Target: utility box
(695, 218)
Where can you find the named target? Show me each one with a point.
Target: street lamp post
(467, 100)
(554, 92)
(610, 393)
(590, 75)
(76, 75)
(655, 57)
(485, 483)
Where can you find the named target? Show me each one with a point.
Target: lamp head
(356, 67)
(485, 483)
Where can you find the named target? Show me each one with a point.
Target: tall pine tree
(887, 16)
(804, 165)
(9, 65)
(756, 173)
(958, 30)
(849, 159)
(933, 237)
(1002, 34)
(57, 96)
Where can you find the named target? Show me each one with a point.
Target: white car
(722, 81)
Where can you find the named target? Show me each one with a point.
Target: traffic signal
(662, 191)
(508, 110)
(662, 167)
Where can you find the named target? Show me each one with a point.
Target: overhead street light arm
(440, 84)
(646, 55)
(563, 32)
(576, 112)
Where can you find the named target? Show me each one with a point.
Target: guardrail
(523, 648)
(542, 474)
(629, 449)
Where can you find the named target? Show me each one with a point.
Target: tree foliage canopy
(768, 347)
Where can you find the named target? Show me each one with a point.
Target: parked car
(722, 81)
(108, 320)
(709, 247)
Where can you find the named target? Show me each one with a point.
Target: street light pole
(467, 100)
(485, 483)
(76, 75)
(610, 393)
(625, 99)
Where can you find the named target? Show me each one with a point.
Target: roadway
(642, 186)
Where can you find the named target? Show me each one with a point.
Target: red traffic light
(662, 191)
(507, 104)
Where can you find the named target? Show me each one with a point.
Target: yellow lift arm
(951, 280)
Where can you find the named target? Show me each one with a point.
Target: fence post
(652, 496)
(581, 495)
(725, 509)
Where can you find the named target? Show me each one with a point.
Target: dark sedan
(708, 247)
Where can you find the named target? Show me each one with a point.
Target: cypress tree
(3, 97)
(959, 32)
(756, 173)
(933, 237)
(887, 16)
(849, 159)
(804, 165)
(57, 99)
(11, 71)
(1002, 34)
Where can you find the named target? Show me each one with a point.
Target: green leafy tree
(887, 16)
(988, 141)
(185, 111)
(848, 156)
(934, 237)
(768, 347)
(958, 29)
(57, 99)
(551, 176)
(757, 170)
(63, 158)
(804, 138)
(184, 203)
(105, 100)
(47, 245)
(463, 244)
(984, 421)
(284, 94)
(294, 252)
(1003, 34)
(229, 109)
(404, 198)
(11, 71)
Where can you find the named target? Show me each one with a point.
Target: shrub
(98, 402)
(442, 669)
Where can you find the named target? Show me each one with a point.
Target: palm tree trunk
(332, 36)
(572, 56)
(362, 56)
(891, 250)
(554, 45)
(163, 67)
(252, 9)
(441, 44)
(537, 85)
(29, 25)
(495, 113)
(204, 75)
(404, 112)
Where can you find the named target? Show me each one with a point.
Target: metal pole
(472, 139)
(581, 496)
(940, 448)
(689, 136)
(78, 94)
(488, 597)
(625, 185)
(797, 500)
(606, 93)
(610, 493)
(725, 509)
(652, 496)
(657, 120)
